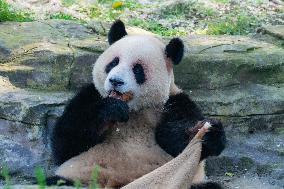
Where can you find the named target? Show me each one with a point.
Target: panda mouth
(127, 96)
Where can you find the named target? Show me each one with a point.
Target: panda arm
(77, 129)
(84, 122)
(178, 126)
(180, 114)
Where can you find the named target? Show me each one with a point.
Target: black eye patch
(112, 64)
(139, 74)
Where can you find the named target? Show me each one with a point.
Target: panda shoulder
(182, 104)
(86, 94)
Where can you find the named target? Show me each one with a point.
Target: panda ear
(174, 50)
(116, 32)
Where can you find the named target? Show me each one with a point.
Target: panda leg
(78, 168)
(206, 185)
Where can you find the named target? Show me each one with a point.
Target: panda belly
(129, 152)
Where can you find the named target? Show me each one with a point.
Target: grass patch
(259, 2)
(155, 27)
(62, 16)
(115, 4)
(94, 179)
(100, 13)
(187, 10)
(68, 3)
(40, 177)
(232, 24)
(77, 184)
(110, 10)
(126, 4)
(229, 174)
(4, 172)
(8, 13)
(222, 1)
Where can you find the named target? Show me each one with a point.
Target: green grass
(186, 10)
(229, 174)
(109, 10)
(130, 4)
(7, 13)
(259, 2)
(62, 16)
(232, 24)
(4, 172)
(94, 179)
(222, 1)
(68, 3)
(40, 177)
(155, 27)
(77, 184)
(207, 11)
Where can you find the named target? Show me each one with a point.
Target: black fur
(174, 50)
(139, 74)
(82, 124)
(112, 64)
(214, 141)
(114, 110)
(180, 114)
(206, 185)
(58, 181)
(116, 32)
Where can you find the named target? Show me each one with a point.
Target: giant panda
(132, 118)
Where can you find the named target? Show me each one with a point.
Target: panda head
(137, 68)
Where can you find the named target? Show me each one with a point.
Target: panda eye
(112, 64)
(139, 74)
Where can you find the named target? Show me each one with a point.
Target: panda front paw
(114, 110)
(214, 141)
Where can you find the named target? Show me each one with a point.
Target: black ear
(116, 32)
(174, 50)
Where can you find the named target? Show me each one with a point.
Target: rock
(249, 108)
(256, 154)
(26, 120)
(275, 31)
(217, 62)
(29, 106)
(81, 71)
(272, 34)
(21, 147)
(36, 187)
(43, 55)
(250, 181)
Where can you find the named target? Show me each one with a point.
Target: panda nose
(116, 82)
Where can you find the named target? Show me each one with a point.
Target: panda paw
(114, 110)
(214, 141)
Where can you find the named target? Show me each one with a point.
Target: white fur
(148, 51)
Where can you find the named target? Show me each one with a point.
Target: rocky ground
(239, 80)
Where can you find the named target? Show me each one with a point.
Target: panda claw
(114, 110)
(206, 126)
(213, 142)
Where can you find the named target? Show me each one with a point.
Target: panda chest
(130, 150)
(133, 143)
